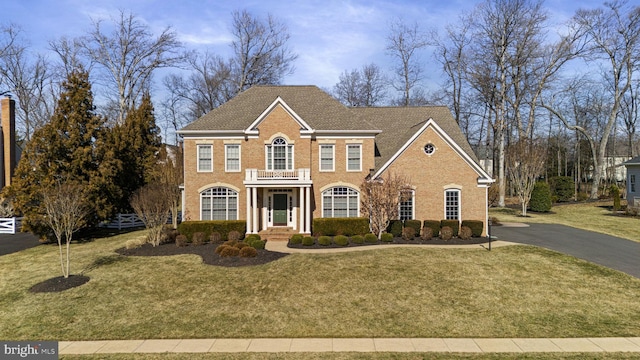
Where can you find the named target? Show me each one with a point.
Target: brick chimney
(8, 119)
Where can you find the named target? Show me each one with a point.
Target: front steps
(277, 234)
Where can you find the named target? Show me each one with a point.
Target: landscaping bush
(296, 239)
(408, 233)
(341, 240)
(228, 251)
(215, 237)
(476, 227)
(340, 226)
(453, 224)
(614, 191)
(540, 197)
(324, 240)
(242, 245)
(234, 235)
(181, 240)
(168, 235)
(415, 225)
(198, 238)
(308, 241)
(371, 238)
(248, 251)
(386, 237)
(427, 233)
(358, 239)
(446, 233)
(434, 225)
(465, 233)
(562, 187)
(395, 228)
(223, 227)
(251, 237)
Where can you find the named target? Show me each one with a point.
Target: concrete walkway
(421, 345)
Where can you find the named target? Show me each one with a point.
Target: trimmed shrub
(562, 187)
(476, 227)
(427, 234)
(242, 245)
(234, 235)
(168, 235)
(540, 197)
(434, 225)
(308, 241)
(340, 226)
(416, 225)
(198, 238)
(614, 191)
(446, 233)
(408, 233)
(181, 240)
(465, 233)
(251, 237)
(341, 240)
(357, 239)
(215, 237)
(370, 238)
(296, 239)
(228, 251)
(324, 240)
(248, 251)
(223, 227)
(453, 224)
(386, 237)
(395, 228)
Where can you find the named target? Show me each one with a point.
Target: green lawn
(516, 291)
(593, 216)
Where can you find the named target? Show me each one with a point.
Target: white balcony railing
(285, 175)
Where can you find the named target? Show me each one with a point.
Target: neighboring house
(280, 156)
(633, 181)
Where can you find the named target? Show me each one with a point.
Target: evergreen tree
(67, 149)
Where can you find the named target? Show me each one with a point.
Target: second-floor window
(326, 157)
(205, 158)
(354, 157)
(279, 155)
(232, 157)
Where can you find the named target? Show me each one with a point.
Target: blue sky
(329, 36)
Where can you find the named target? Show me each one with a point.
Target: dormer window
(279, 155)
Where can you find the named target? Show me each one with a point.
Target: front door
(280, 209)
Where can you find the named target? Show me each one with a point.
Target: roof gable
(253, 128)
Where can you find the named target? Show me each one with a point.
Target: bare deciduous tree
(380, 199)
(403, 44)
(65, 213)
(129, 55)
(152, 205)
(365, 87)
(525, 163)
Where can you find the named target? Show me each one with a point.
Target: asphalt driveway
(10, 243)
(610, 251)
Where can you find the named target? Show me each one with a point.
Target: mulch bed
(398, 240)
(58, 284)
(206, 252)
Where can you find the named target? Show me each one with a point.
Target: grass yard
(516, 291)
(593, 216)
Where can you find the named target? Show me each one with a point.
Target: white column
(307, 211)
(249, 222)
(255, 210)
(302, 209)
(264, 209)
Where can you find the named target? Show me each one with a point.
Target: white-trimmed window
(632, 182)
(205, 158)
(407, 200)
(279, 155)
(452, 204)
(219, 203)
(232, 157)
(354, 157)
(339, 202)
(327, 156)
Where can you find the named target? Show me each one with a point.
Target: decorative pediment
(305, 129)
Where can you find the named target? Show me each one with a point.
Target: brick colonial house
(279, 156)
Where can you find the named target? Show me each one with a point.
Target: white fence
(10, 225)
(127, 221)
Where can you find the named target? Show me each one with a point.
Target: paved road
(17, 242)
(609, 251)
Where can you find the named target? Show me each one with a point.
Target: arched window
(452, 204)
(340, 201)
(279, 155)
(219, 203)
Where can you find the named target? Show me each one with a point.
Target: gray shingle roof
(314, 106)
(634, 161)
